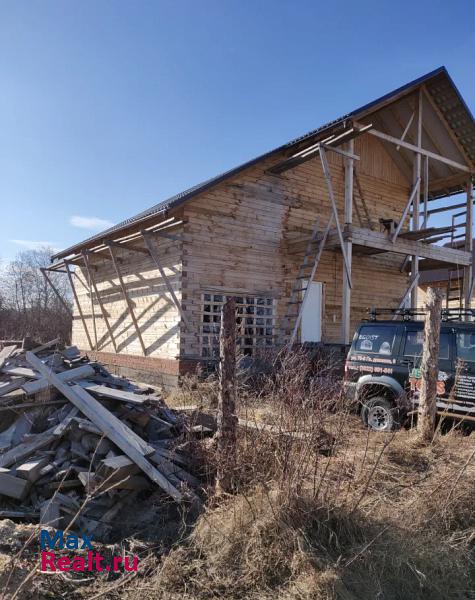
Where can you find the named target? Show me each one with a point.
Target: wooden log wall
(235, 237)
(157, 316)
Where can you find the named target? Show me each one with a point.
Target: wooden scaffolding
(419, 241)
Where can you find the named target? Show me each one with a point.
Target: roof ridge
(177, 199)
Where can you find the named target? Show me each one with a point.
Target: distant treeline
(28, 305)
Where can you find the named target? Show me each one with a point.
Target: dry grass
(322, 509)
(378, 517)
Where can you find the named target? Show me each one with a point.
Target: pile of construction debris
(76, 442)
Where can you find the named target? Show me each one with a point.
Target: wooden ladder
(454, 284)
(299, 294)
(455, 279)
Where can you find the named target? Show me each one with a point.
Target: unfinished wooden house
(306, 237)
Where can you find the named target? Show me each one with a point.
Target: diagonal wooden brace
(327, 174)
(415, 189)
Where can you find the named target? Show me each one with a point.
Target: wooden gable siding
(235, 237)
(157, 316)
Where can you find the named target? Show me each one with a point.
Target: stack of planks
(77, 443)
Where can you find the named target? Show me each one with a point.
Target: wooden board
(116, 467)
(376, 239)
(26, 449)
(5, 354)
(40, 384)
(20, 372)
(89, 406)
(11, 486)
(130, 443)
(31, 470)
(10, 386)
(107, 392)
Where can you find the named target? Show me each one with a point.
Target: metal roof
(438, 83)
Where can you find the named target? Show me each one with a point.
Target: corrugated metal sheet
(440, 86)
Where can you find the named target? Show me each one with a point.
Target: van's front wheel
(379, 414)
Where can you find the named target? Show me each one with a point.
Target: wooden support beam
(313, 150)
(310, 279)
(91, 299)
(468, 270)
(78, 304)
(419, 150)
(327, 174)
(346, 300)
(415, 189)
(426, 192)
(362, 198)
(406, 129)
(85, 255)
(472, 285)
(414, 281)
(341, 152)
(434, 211)
(156, 259)
(125, 295)
(417, 196)
(379, 240)
(53, 287)
(124, 247)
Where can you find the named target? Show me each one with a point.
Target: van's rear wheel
(379, 414)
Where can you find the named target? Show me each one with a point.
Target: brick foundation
(164, 372)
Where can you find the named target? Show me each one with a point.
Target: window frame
(255, 322)
(394, 343)
(462, 332)
(421, 331)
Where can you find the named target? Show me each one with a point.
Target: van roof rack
(411, 314)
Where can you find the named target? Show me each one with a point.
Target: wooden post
(227, 420)
(426, 191)
(331, 195)
(430, 366)
(56, 293)
(346, 300)
(126, 298)
(78, 304)
(414, 281)
(85, 255)
(156, 259)
(468, 271)
(417, 182)
(91, 299)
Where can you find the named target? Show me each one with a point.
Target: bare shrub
(325, 509)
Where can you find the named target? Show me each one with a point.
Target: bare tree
(430, 366)
(28, 305)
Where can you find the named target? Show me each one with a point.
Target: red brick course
(148, 364)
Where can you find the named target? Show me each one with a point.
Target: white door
(311, 325)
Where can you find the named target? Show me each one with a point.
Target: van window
(375, 340)
(466, 346)
(415, 340)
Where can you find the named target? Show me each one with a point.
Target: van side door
(465, 365)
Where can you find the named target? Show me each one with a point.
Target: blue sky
(107, 107)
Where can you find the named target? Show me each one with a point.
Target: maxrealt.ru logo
(52, 561)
